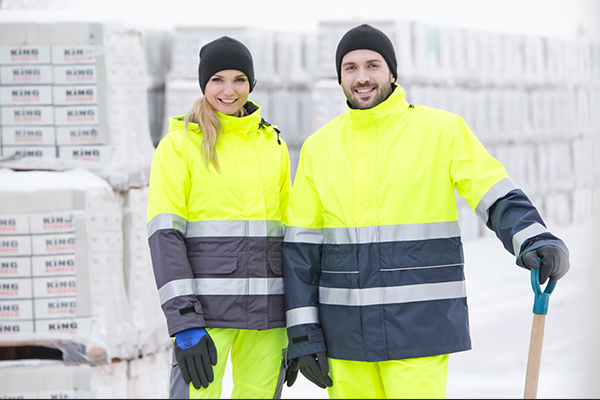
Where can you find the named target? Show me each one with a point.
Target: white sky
(542, 17)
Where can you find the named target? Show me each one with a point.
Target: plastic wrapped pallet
(152, 335)
(49, 379)
(61, 252)
(148, 377)
(97, 116)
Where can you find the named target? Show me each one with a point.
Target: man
(373, 261)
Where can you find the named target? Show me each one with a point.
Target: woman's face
(227, 91)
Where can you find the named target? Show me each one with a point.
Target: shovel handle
(540, 309)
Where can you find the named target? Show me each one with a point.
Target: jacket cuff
(304, 340)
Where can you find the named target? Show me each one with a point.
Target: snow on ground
(500, 300)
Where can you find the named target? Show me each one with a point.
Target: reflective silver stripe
(239, 287)
(225, 287)
(521, 236)
(391, 233)
(302, 315)
(392, 294)
(166, 221)
(295, 234)
(180, 287)
(497, 191)
(234, 228)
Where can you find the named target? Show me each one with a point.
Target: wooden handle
(535, 356)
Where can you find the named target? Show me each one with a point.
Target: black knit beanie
(366, 37)
(222, 54)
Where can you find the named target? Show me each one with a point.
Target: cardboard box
(28, 135)
(38, 152)
(81, 135)
(53, 222)
(91, 156)
(53, 244)
(54, 286)
(76, 326)
(73, 54)
(15, 288)
(55, 265)
(11, 310)
(75, 95)
(15, 245)
(9, 330)
(26, 75)
(25, 54)
(14, 224)
(27, 115)
(74, 74)
(25, 95)
(15, 267)
(76, 115)
(56, 307)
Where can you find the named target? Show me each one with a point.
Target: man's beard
(381, 96)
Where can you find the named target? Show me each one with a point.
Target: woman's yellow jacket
(215, 238)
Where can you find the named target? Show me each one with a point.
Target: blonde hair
(205, 115)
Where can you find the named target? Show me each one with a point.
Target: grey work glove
(291, 372)
(195, 351)
(550, 260)
(316, 369)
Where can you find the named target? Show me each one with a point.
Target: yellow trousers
(255, 359)
(412, 378)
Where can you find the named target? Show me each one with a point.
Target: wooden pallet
(68, 351)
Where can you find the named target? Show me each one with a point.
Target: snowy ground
(500, 301)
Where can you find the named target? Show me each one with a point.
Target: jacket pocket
(275, 264)
(203, 264)
(339, 258)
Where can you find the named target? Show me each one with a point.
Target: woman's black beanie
(222, 54)
(366, 37)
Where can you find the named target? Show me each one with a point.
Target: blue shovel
(540, 309)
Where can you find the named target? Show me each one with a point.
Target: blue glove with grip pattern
(195, 351)
(552, 262)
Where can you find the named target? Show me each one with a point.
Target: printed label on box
(76, 135)
(63, 325)
(17, 288)
(25, 54)
(56, 307)
(25, 95)
(87, 155)
(57, 286)
(76, 115)
(76, 54)
(74, 74)
(55, 222)
(15, 245)
(9, 328)
(16, 309)
(28, 115)
(15, 267)
(14, 224)
(75, 94)
(53, 244)
(14, 152)
(26, 135)
(26, 75)
(60, 264)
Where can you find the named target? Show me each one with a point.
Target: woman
(219, 187)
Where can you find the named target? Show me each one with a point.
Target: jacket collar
(388, 110)
(239, 125)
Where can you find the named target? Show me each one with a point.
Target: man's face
(366, 78)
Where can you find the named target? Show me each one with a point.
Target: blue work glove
(550, 260)
(316, 369)
(195, 351)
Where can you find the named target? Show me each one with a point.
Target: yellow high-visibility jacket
(215, 238)
(372, 255)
